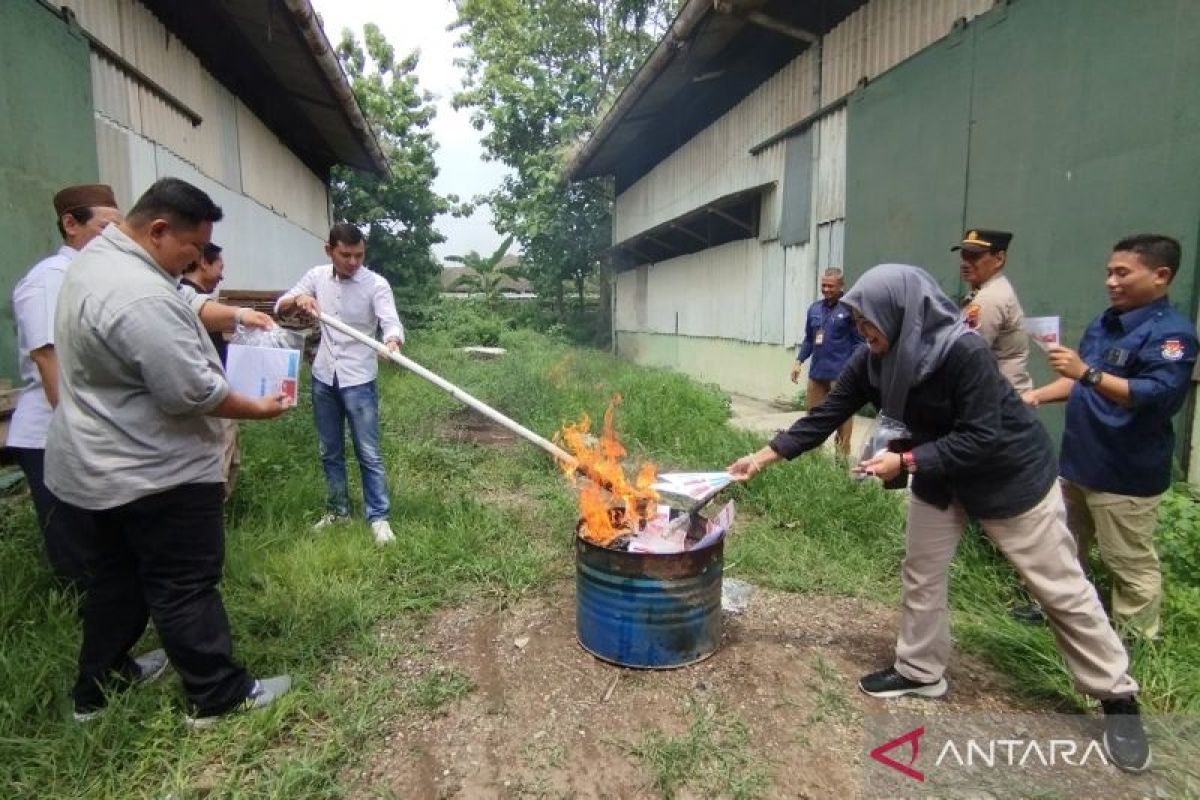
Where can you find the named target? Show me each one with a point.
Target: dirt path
(545, 719)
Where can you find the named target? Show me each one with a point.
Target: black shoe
(1125, 741)
(1031, 614)
(889, 683)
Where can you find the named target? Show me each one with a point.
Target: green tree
(486, 276)
(396, 211)
(537, 75)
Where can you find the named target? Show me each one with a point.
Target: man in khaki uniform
(991, 308)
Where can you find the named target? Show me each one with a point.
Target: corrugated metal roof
(715, 54)
(273, 56)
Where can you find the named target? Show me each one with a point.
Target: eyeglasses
(974, 255)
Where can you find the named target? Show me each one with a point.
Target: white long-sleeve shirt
(34, 299)
(365, 303)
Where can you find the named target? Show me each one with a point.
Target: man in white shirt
(83, 212)
(343, 385)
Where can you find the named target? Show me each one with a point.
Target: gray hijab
(920, 322)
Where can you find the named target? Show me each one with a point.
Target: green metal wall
(47, 141)
(1070, 122)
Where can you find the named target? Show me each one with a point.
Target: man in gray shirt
(134, 441)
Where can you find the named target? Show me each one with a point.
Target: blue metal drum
(648, 610)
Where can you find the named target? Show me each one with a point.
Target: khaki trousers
(815, 395)
(1042, 551)
(1123, 526)
(231, 459)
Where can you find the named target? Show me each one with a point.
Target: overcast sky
(421, 24)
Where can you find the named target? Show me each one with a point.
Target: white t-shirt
(34, 299)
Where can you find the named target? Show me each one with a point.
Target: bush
(1178, 535)
(466, 322)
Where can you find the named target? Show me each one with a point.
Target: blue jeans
(332, 407)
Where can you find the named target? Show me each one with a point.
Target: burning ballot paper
(610, 504)
(263, 371)
(695, 486)
(1043, 330)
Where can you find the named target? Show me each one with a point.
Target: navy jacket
(1128, 451)
(839, 340)
(975, 442)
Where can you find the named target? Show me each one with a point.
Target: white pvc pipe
(458, 394)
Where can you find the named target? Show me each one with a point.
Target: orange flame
(608, 503)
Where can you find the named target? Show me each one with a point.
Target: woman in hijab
(974, 450)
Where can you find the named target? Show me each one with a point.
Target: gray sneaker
(264, 692)
(150, 667)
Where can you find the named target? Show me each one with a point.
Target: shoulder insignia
(1172, 349)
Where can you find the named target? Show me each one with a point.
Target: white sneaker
(382, 531)
(264, 692)
(327, 519)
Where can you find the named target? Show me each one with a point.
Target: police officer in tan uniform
(992, 310)
(991, 307)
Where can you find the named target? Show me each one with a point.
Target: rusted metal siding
(717, 162)
(883, 33)
(229, 145)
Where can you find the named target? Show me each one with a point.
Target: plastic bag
(274, 336)
(735, 595)
(886, 434)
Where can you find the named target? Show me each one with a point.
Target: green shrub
(1178, 535)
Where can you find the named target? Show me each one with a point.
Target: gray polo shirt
(138, 374)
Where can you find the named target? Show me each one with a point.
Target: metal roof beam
(746, 226)
(701, 239)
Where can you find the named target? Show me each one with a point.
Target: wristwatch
(1091, 377)
(909, 462)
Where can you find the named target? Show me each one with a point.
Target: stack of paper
(664, 535)
(717, 526)
(263, 371)
(1043, 331)
(693, 485)
(659, 536)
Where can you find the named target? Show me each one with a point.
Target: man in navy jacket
(830, 338)
(1129, 377)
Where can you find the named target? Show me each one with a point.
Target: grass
(471, 522)
(829, 693)
(713, 756)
